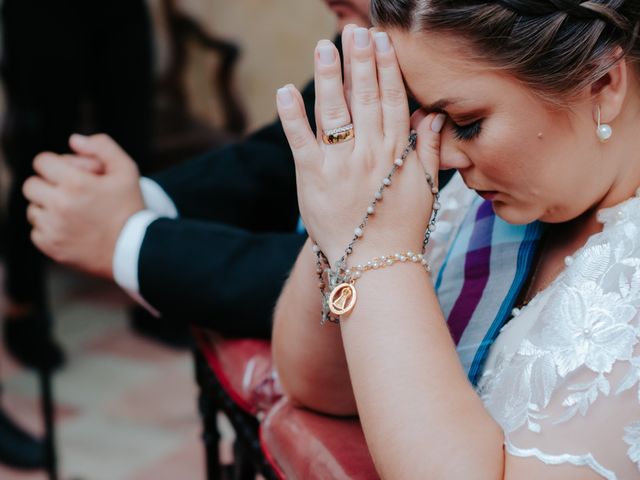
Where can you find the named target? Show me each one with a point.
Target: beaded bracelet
(341, 296)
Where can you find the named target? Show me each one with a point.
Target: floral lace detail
(632, 438)
(577, 460)
(586, 325)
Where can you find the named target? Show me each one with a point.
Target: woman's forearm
(310, 358)
(422, 418)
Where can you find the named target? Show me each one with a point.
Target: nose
(451, 156)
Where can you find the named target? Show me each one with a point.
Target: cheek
(502, 154)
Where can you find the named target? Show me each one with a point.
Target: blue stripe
(526, 255)
(300, 228)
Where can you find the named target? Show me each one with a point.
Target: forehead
(441, 66)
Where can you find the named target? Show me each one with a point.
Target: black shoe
(19, 449)
(28, 339)
(169, 332)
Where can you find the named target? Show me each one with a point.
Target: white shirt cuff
(156, 199)
(127, 255)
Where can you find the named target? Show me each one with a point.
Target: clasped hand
(79, 203)
(336, 183)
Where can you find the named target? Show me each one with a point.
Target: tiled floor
(126, 406)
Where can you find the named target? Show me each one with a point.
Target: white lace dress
(563, 377)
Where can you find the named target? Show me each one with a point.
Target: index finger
(347, 42)
(53, 168)
(90, 165)
(393, 96)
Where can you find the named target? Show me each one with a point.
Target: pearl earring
(604, 131)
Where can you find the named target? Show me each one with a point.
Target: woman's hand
(337, 183)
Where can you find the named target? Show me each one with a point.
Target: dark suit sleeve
(239, 183)
(222, 264)
(216, 276)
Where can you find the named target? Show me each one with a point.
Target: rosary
(339, 294)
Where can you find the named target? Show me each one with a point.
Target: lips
(338, 3)
(487, 194)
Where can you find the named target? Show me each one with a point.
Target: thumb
(88, 164)
(101, 147)
(428, 128)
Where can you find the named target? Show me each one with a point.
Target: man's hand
(79, 204)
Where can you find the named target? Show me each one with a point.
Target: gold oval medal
(342, 299)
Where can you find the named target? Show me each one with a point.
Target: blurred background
(216, 67)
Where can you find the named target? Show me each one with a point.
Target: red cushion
(244, 369)
(304, 445)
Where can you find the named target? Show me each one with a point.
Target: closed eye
(468, 132)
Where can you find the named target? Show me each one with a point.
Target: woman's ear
(609, 91)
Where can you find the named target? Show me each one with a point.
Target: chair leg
(47, 406)
(208, 413)
(244, 467)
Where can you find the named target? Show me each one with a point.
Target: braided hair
(556, 47)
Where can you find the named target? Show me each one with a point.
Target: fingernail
(79, 139)
(438, 122)
(284, 97)
(327, 54)
(382, 42)
(361, 36)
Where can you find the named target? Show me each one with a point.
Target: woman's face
(532, 161)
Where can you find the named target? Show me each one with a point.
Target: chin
(514, 215)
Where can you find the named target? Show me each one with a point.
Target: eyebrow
(438, 106)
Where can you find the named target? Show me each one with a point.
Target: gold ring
(338, 135)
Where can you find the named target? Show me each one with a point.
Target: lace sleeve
(564, 384)
(592, 418)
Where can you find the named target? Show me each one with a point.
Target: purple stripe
(476, 272)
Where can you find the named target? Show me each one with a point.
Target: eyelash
(468, 132)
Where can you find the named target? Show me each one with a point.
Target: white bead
(568, 261)
(398, 255)
(403, 258)
(432, 227)
(424, 261)
(515, 312)
(378, 195)
(420, 256)
(437, 206)
(357, 275)
(414, 258)
(386, 181)
(359, 267)
(410, 253)
(315, 248)
(371, 210)
(347, 272)
(399, 162)
(358, 232)
(604, 132)
(376, 265)
(434, 190)
(389, 262)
